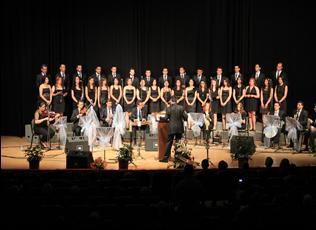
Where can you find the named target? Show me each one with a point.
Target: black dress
(251, 103)
(59, 102)
(238, 94)
(266, 95)
(46, 94)
(280, 91)
(116, 94)
(77, 94)
(91, 94)
(104, 97)
(129, 94)
(215, 101)
(203, 96)
(143, 95)
(154, 106)
(42, 129)
(190, 95)
(167, 97)
(178, 94)
(228, 107)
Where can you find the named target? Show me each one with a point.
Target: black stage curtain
(151, 34)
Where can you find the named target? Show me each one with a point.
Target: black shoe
(164, 160)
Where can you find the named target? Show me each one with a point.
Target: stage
(12, 156)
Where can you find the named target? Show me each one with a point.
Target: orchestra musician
(106, 115)
(76, 114)
(138, 118)
(42, 119)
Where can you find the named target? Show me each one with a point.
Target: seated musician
(208, 121)
(240, 110)
(301, 115)
(275, 141)
(42, 119)
(106, 114)
(138, 117)
(76, 114)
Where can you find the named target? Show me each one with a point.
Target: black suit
(275, 78)
(219, 80)
(65, 80)
(40, 79)
(302, 119)
(161, 81)
(198, 80)
(104, 115)
(260, 79)
(233, 80)
(135, 82)
(75, 120)
(176, 115)
(82, 76)
(148, 81)
(281, 115)
(184, 80)
(134, 116)
(111, 79)
(97, 78)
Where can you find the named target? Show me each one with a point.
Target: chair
(33, 133)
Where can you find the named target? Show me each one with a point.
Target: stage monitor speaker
(77, 143)
(79, 159)
(238, 141)
(151, 142)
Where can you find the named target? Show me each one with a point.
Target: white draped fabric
(197, 122)
(271, 124)
(89, 125)
(233, 121)
(292, 125)
(119, 126)
(153, 124)
(61, 126)
(104, 135)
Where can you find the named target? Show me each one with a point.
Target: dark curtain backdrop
(151, 34)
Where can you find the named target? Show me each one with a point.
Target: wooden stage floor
(12, 156)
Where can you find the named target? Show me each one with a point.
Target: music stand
(139, 137)
(61, 125)
(104, 135)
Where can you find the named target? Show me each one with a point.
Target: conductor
(176, 115)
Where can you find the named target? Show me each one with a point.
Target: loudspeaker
(77, 143)
(238, 141)
(151, 142)
(79, 159)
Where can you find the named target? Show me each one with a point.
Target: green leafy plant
(125, 153)
(98, 163)
(244, 150)
(35, 153)
(182, 155)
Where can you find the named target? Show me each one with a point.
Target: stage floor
(12, 156)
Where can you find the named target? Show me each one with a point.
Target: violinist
(41, 124)
(76, 114)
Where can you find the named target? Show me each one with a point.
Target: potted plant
(243, 151)
(34, 156)
(125, 156)
(98, 163)
(182, 156)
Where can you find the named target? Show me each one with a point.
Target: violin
(83, 110)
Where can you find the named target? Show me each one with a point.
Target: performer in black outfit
(198, 78)
(76, 92)
(258, 76)
(252, 96)
(114, 75)
(234, 77)
(301, 115)
(45, 92)
(202, 97)
(279, 72)
(138, 115)
(178, 93)
(281, 114)
(190, 97)
(165, 96)
(280, 94)
(91, 94)
(154, 105)
(41, 122)
(176, 115)
(59, 93)
(41, 75)
(76, 114)
(103, 95)
(225, 95)
(106, 115)
(165, 77)
(214, 98)
(266, 97)
(82, 76)
(116, 93)
(143, 93)
(240, 110)
(129, 95)
(183, 77)
(148, 78)
(238, 92)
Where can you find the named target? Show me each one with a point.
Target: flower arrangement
(98, 163)
(182, 155)
(35, 153)
(125, 153)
